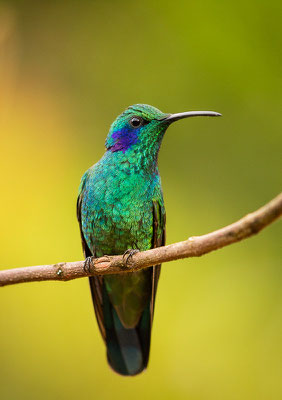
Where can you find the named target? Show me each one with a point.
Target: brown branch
(193, 247)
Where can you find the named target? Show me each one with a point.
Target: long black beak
(176, 117)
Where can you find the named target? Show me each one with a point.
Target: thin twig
(193, 247)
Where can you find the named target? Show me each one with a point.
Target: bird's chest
(118, 212)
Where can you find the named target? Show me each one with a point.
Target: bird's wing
(86, 251)
(159, 219)
(96, 282)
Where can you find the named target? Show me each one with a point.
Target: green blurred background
(67, 69)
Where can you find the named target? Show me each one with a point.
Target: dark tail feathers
(127, 349)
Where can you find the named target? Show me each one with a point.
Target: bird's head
(142, 127)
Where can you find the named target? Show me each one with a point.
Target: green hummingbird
(120, 210)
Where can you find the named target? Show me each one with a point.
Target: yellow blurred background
(67, 69)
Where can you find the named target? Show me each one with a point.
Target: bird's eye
(135, 122)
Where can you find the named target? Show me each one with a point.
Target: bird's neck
(141, 159)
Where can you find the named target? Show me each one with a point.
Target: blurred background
(67, 69)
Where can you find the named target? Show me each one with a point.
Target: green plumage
(120, 207)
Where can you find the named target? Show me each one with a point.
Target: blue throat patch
(123, 139)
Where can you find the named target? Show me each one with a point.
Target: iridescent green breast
(117, 208)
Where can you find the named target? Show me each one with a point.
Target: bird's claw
(129, 254)
(87, 265)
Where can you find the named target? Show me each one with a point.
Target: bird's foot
(87, 265)
(129, 254)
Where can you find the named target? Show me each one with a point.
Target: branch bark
(193, 247)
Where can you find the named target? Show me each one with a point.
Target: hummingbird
(120, 210)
